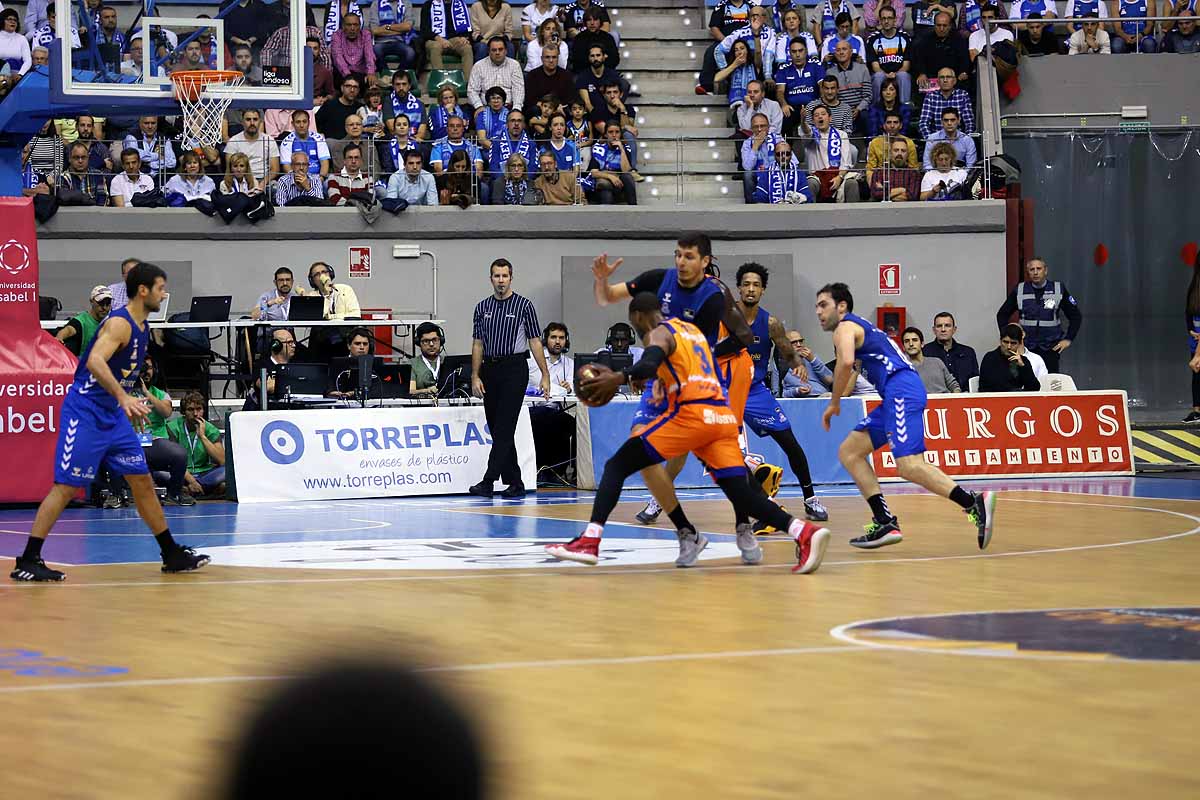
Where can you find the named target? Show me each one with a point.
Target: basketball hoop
(203, 109)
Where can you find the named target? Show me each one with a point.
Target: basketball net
(204, 109)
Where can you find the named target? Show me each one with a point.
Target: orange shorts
(710, 431)
(736, 373)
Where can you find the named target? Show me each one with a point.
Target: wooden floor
(642, 681)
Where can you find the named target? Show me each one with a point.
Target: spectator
(88, 183)
(371, 111)
(756, 102)
(341, 302)
(299, 183)
(1184, 37)
(131, 181)
(190, 183)
(959, 358)
(924, 14)
(247, 24)
(898, 181)
(427, 363)
(274, 305)
(978, 40)
(549, 37)
(351, 179)
(396, 149)
(1022, 9)
(243, 62)
(354, 136)
(933, 372)
(829, 156)
(550, 79)
(572, 17)
(854, 83)
(353, 51)
(489, 19)
(783, 181)
(557, 189)
(454, 141)
(591, 81)
(841, 113)
(99, 157)
(1035, 361)
(1037, 40)
(947, 96)
(797, 84)
(616, 112)
(205, 453)
(261, 151)
(594, 35)
(1040, 303)
(37, 14)
(888, 56)
(579, 128)
(611, 171)
(446, 25)
(532, 17)
(412, 184)
(514, 141)
(880, 151)
(313, 145)
(944, 181)
(239, 179)
(80, 329)
(447, 107)
(402, 102)
(965, 152)
(1130, 34)
(331, 117)
(155, 150)
(193, 58)
(33, 181)
(393, 34)
(824, 16)
(564, 150)
(497, 69)
(757, 153)
(40, 56)
(491, 120)
(1003, 369)
(458, 188)
(1090, 39)
(888, 103)
(843, 34)
(513, 187)
(941, 48)
(759, 37)
(323, 84)
(869, 22)
(791, 29)
(741, 72)
(727, 17)
(794, 386)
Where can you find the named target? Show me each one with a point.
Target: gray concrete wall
(952, 255)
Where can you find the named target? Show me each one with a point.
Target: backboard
(125, 69)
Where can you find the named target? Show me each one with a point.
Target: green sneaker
(879, 534)
(983, 515)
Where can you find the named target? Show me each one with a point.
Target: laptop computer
(454, 378)
(306, 309)
(306, 381)
(161, 314)
(211, 308)
(393, 381)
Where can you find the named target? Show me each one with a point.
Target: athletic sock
(796, 527)
(879, 509)
(809, 491)
(33, 549)
(962, 497)
(679, 519)
(593, 531)
(166, 543)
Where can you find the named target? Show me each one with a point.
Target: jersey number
(702, 354)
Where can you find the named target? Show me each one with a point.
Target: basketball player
(763, 413)
(695, 419)
(899, 419)
(98, 416)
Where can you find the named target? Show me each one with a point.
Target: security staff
(1040, 302)
(505, 331)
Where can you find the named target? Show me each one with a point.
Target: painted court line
(497, 666)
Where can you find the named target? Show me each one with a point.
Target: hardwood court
(633, 682)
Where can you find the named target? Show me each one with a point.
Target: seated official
(556, 339)
(205, 453)
(553, 428)
(281, 351)
(81, 328)
(427, 364)
(341, 301)
(275, 304)
(620, 340)
(1005, 369)
(345, 383)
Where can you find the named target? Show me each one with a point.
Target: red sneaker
(584, 549)
(810, 548)
(701, 90)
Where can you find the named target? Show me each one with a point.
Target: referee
(505, 330)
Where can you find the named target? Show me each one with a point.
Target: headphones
(556, 326)
(276, 346)
(430, 327)
(620, 327)
(332, 274)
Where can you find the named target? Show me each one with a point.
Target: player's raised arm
(114, 335)
(607, 293)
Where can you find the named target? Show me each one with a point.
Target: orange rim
(189, 83)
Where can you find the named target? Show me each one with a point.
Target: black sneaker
(878, 535)
(649, 514)
(183, 559)
(181, 499)
(1192, 417)
(35, 570)
(983, 514)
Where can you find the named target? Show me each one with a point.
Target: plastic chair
(441, 77)
(1058, 382)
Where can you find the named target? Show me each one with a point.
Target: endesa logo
(282, 442)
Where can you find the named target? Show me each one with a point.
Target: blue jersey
(800, 83)
(881, 357)
(684, 304)
(125, 364)
(760, 351)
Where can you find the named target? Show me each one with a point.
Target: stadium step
(695, 151)
(706, 132)
(698, 190)
(687, 50)
(662, 117)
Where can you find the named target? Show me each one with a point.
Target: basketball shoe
(810, 548)
(581, 549)
(878, 534)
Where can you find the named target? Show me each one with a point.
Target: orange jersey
(688, 375)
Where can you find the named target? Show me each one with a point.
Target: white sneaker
(649, 514)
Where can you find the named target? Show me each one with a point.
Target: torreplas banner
(335, 454)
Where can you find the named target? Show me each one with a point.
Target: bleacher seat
(973, 384)
(440, 77)
(1058, 382)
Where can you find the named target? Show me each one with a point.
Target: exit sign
(1133, 127)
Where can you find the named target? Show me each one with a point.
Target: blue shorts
(647, 410)
(763, 413)
(92, 436)
(900, 418)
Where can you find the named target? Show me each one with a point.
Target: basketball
(590, 397)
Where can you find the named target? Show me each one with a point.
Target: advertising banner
(333, 454)
(1023, 435)
(35, 369)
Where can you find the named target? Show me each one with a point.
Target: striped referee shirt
(505, 326)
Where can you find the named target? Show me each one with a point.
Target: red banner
(1023, 435)
(35, 370)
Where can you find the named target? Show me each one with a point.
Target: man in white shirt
(1037, 362)
(979, 39)
(757, 102)
(1091, 39)
(262, 150)
(556, 339)
(553, 428)
(125, 185)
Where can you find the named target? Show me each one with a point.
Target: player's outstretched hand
(831, 411)
(602, 269)
(598, 384)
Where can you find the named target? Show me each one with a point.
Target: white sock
(593, 531)
(796, 528)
